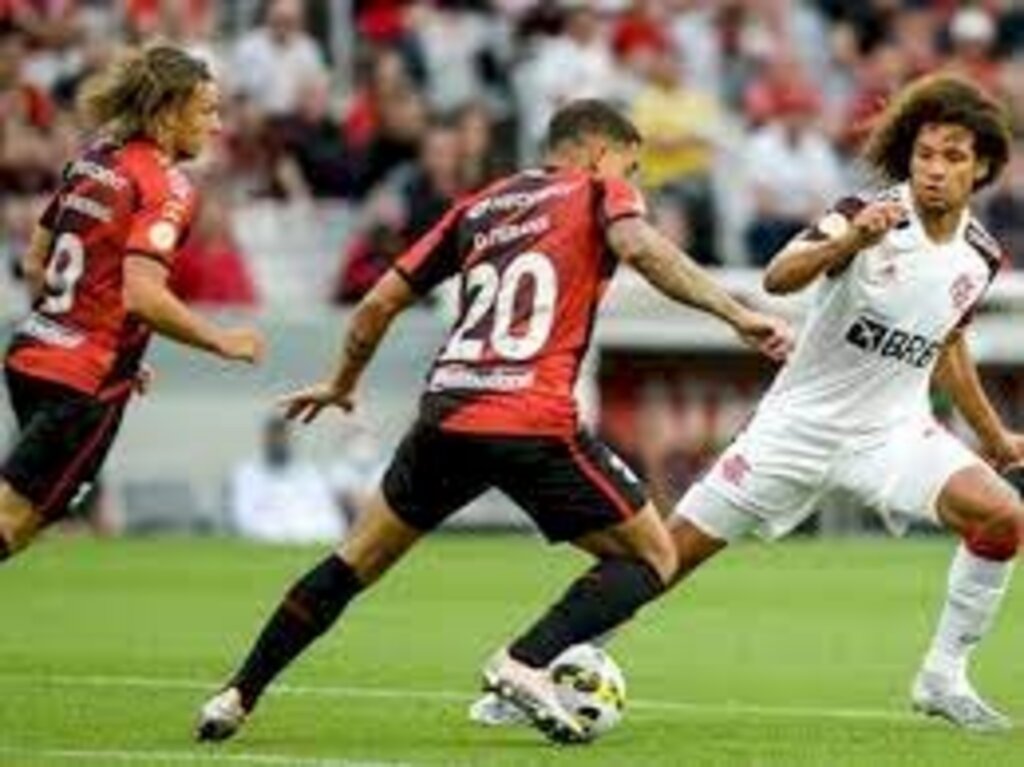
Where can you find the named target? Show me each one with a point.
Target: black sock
(311, 606)
(607, 595)
(5, 550)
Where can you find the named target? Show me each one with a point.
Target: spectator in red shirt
(883, 71)
(210, 268)
(641, 28)
(385, 78)
(783, 83)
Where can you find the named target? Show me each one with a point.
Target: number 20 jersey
(114, 200)
(534, 263)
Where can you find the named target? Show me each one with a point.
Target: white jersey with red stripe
(865, 356)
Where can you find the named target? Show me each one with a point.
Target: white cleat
(491, 711)
(221, 716)
(956, 702)
(532, 692)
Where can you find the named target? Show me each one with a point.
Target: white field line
(724, 708)
(110, 756)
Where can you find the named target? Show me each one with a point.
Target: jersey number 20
(493, 296)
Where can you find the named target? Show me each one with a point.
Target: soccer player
(535, 251)
(898, 274)
(97, 267)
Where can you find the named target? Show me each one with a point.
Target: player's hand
(874, 221)
(306, 404)
(770, 335)
(1008, 451)
(243, 344)
(144, 379)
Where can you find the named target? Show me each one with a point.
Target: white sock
(975, 590)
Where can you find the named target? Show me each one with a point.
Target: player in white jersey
(848, 417)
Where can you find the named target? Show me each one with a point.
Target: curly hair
(946, 99)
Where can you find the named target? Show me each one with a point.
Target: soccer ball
(590, 685)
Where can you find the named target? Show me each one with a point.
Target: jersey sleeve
(994, 255)
(160, 221)
(435, 256)
(618, 199)
(836, 220)
(833, 224)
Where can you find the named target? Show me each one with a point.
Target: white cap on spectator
(972, 25)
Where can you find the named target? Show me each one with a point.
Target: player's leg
(308, 609)
(705, 521)
(577, 491)
(693, 545)
(19, 521)
(922, 471)
(637, 560)
(418, 492)
(641, 545)
(987, 513)
(635, 563)
(63, 440)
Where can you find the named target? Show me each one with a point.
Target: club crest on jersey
(870, 335)
(962, 292)
(163, 235)
(735, 469)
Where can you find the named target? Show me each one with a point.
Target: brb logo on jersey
(891, 343)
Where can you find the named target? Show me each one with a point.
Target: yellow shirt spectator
(677, 124)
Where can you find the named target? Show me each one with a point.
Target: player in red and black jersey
(535, 252)
(97, 267)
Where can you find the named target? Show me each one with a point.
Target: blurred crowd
(753, 110)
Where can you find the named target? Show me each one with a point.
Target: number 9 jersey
(534, 261)
(114, 200)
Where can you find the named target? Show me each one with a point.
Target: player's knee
(999, 537)
(663, 558)
(370, 558)
(16, 530)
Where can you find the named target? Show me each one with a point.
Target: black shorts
(63, 439)
(569, 486)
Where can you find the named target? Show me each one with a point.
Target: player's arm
(679, 277)
(428, 262)
(33, 262)
(957, 374)
(147, 296)
(369, 324)
(830, 245)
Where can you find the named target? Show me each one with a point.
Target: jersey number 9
(63, 271)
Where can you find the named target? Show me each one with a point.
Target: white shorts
(776, 475)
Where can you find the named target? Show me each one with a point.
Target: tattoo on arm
(359, 346)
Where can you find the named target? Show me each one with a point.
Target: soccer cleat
(221, 716)
(492, 711)
(532, 692)
(956, 702)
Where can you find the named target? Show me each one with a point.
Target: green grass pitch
(794, 654)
